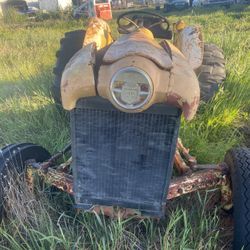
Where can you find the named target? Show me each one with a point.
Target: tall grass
(28, 113)
(38, 222)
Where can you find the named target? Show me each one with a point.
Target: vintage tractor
(125, 100)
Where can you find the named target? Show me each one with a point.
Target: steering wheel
(133, 20)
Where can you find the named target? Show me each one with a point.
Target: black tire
(70, 44)
(212, 72)
(13, 158)
(238, 161)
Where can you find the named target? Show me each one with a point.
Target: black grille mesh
(122, 159)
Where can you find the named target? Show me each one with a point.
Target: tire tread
(212, 71)
(239, 162)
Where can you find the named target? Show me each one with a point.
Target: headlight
(131, 88)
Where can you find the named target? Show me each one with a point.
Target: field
(28, 114)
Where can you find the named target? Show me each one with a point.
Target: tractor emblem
(130, 93)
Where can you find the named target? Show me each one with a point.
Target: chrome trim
(142, 93)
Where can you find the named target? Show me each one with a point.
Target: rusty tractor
(125, 99)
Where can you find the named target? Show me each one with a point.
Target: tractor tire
(238, 161)
(70, 44)
(12, 160)
(212, 72)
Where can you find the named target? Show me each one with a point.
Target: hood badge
(130, 93)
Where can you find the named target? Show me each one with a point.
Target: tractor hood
(139, 43)
(135, 73)
(170, 75)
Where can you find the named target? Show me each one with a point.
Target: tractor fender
(189, 41)
(184, 89)
(78, 77)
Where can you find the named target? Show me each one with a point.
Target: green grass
(27, 113)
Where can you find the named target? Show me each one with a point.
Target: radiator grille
(122, 159)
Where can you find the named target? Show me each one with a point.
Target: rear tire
(212, 72)
(238, 161)
(70, 44)
(12, 160)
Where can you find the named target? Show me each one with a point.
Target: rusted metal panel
(180, 164)
(212, 176)
(200, 180)
(52, 176)
(226, 193)
(191, 160)
(116, 212)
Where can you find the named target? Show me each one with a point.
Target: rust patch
(117, 212)
(189, 109)
(54, 177)
(191, 160)
(180, 164)
(226, 193)
(212, 176)
(200, 180)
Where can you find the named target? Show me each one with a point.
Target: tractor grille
(123, 159)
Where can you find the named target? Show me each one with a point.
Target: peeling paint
(190, 42)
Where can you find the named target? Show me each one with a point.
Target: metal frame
(193, 177)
